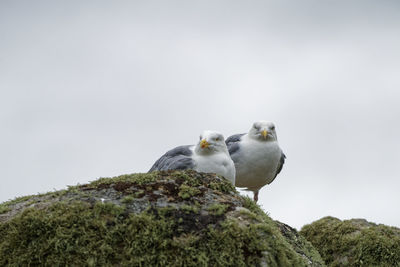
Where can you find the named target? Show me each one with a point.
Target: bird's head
(263, 131)
(211, 142)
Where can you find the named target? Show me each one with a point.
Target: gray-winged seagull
(209, 155)
(257, 156)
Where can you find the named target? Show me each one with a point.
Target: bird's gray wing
(280, 165)
(232, 142)
(179, 158)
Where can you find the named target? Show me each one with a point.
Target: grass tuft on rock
(354, 242)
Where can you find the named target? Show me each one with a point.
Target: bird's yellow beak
(204, 143)
(264, 134)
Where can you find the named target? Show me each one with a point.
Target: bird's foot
(256, 196)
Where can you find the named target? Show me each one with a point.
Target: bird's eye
(257, 127)
(217, 139)
(273, 127)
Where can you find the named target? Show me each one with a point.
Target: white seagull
(257, 156)
(209, 155)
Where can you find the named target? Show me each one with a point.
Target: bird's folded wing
(232, 142)
(280, 164)
(179, 158)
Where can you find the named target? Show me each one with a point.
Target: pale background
(93, 89)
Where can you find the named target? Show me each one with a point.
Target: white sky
(94, 89)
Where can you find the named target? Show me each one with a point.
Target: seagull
(257, 156)
(209, 155)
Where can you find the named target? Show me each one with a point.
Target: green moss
(139, 194)
(186, 178)
(128, 199)
(249, 214)
(103, 234)
(4, 208)
(354, 242)
(72, 189)
(70, 228)
(297, 242)
(224, 186)
(17, 200)
(190, 208)
(137, 178)
(300, 244)
(249, 204)
(217, 209)
(186, 191)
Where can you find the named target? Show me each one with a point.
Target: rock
(355, 242)
(159, 219)
(300, 244)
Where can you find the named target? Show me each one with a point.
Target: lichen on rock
(355, 242)
(171, 218)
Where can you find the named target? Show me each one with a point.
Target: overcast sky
(94, 89)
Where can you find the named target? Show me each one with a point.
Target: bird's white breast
(257, 163)
(219, 163)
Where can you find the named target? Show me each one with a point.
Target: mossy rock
(355, 242)
(158, 219)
